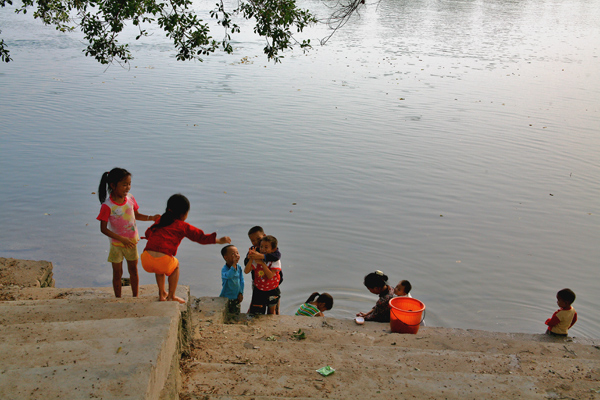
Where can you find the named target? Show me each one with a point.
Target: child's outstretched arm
(142, 217)
(223, 240)
(127, 242)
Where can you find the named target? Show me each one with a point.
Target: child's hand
(240, 297)
(223, 240)
(255, 255)
(128, 243)
(154, 217)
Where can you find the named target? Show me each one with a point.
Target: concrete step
(262, 359)
(87, 344)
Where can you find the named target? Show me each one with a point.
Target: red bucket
(406, 314)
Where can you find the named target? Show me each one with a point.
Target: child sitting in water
(403, 289)
(565, 317)
(315, 305)
(376, 282)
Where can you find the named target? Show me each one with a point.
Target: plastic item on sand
(326, 370)
(360, 320)
(406, 314)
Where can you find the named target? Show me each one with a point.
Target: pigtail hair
(102, 188)
(312, 297)
(177, 205)
(165, 220)
(110, 178)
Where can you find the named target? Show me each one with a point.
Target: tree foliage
(102, 22)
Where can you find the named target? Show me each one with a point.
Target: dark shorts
(549, 332)
(261, 300)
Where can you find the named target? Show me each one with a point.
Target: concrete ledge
(85, 343)
(25, 273)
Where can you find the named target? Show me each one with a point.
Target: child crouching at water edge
(565, 317)
(315, 305)
(233, 279)
(164, 237)
(376, 282)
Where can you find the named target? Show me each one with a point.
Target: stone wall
(25, 273)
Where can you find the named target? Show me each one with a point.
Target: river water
(455, 144)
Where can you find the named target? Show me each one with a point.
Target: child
(376, 282)
(117, 218)
(233, 279)
(565, 317)
(403, 289)
(255, 234)
(164, 238)
(266, 278)
(315, 306)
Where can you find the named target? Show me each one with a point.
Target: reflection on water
(451, 143)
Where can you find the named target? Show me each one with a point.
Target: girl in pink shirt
(117, 217)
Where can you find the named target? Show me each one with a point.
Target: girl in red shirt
(164, 238)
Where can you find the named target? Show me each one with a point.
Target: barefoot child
(266, 278)
(117, 221)
(233, 279)
(565, 317)
(164, 237)
(315, 305)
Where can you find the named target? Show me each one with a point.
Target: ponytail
(177, 205)
(324, 298)
(102, 188)
(110, 179)
(312, 297)
(376, 279)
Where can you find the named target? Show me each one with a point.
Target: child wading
(117, 221)
(164, 238)
(315, 305)
(565, 317)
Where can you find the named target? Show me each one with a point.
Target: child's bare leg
(272, 310)
(117, 274)
(134, 278)
(173, 279)
(160, 281)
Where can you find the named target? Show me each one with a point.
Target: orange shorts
(164, 265)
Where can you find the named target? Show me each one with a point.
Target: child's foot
(175, 298)
(162, 298)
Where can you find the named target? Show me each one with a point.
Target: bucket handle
(422, 319)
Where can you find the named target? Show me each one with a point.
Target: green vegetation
(102, 21)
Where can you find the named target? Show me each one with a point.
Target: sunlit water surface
(451, 143)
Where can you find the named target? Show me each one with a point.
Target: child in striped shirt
(315, 305)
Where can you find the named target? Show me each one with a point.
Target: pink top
(120, 218)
